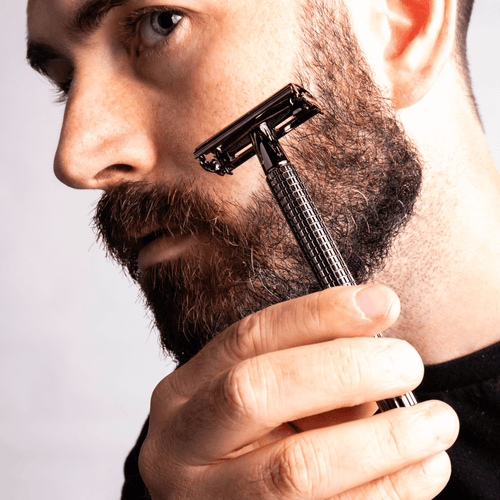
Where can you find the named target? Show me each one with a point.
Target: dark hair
(464, 11)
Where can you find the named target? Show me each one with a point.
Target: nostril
(120, 167)
(111, 171)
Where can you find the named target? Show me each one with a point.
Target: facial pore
(361, 170)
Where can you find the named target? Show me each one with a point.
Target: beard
(360, 169)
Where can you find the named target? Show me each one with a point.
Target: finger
(321, 464)
(422, 481)
(327, 315)
(335, 417)
(259, 394)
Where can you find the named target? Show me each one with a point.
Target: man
(279, 403)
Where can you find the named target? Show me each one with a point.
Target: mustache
(131, 212)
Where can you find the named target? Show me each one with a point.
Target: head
(146, 81)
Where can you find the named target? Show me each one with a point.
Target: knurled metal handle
(308, 227)
(316, 243)
(403, 401)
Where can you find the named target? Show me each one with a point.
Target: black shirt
(471, 385)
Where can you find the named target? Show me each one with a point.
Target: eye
(157, 26)
(60, 74)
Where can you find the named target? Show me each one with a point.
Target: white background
(78, 359)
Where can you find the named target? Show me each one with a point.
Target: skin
(135, 118)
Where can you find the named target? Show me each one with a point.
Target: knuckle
(165, 391)
(292, 474)
(347, 364)
(414, 430)
(383, 488)
(389, 488)
(313, 309)
(316, 312)
(435, 425)
(337, 301)
(164, 482)
(149, 460)
(416, 481)
(247, 338)
(393, 438)
(163, 398)
(157, 396)
(239, 390)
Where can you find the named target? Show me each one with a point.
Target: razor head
(232, 146)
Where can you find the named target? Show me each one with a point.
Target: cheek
(218, 72)
(183, 118)
(222, 66)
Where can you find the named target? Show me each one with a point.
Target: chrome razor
(258, 133)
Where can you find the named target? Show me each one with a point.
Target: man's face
(152, 79)
(149, 83)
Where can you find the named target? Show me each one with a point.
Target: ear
(420, 40)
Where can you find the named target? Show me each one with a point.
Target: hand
(218, 424)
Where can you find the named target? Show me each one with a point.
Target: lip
(165, 246)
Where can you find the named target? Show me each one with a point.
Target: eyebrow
(89, 16)
(86, 19)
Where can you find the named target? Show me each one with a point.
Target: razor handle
(308, 227)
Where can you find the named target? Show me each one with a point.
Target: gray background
(78, 359)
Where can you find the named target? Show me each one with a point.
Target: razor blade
(232, 146)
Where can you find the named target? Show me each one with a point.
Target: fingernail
(374, 301)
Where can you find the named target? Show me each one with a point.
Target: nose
(104, 137)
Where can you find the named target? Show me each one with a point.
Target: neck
(444, 265)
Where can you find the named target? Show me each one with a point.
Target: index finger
(353, 311)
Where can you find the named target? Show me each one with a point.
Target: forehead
(43, 14)
(44, 10)
(67, 5)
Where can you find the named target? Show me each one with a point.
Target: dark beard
(360, 169)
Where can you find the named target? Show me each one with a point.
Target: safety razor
(258, 133)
